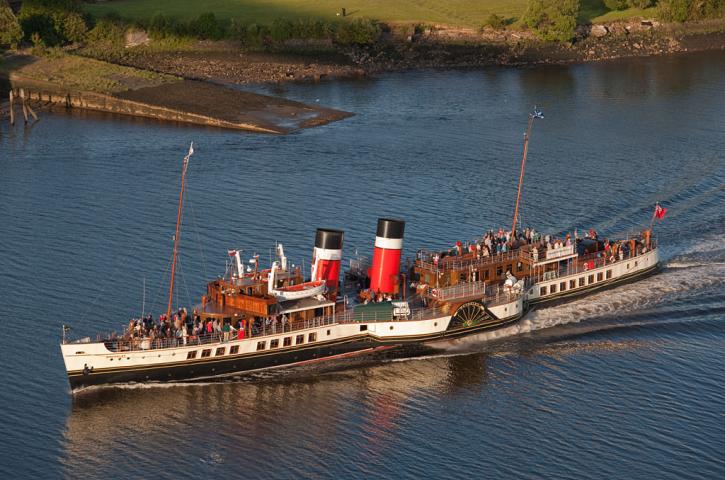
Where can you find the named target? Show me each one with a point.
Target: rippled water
(629, 383)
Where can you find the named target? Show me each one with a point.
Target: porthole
(391, 327)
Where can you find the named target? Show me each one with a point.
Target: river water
(629, 383)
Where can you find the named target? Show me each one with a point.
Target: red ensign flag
(660, 212)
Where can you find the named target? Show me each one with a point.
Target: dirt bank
(70, 81)
(437, 47)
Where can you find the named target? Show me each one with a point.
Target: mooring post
(24, 106)
(12, 108)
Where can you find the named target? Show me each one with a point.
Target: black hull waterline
(213, 368)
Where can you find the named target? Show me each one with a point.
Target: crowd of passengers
(499, 242)
(185, 329)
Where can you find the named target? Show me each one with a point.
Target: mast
(178, 226)
(535, 114)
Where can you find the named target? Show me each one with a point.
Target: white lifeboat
(293, 292)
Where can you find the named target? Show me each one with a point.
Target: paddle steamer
(274, 317)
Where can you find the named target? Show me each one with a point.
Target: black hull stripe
(246, 363)
(561, 297)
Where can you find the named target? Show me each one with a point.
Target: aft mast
(535, 114)
(178, 227)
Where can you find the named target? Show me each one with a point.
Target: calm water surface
(624, 384)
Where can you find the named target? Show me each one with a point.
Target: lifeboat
(302, 290)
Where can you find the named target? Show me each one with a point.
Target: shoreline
(226, 63)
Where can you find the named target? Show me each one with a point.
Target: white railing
(461, 290)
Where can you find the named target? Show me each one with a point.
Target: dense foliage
(552, 20)
(10, 31)
(52, 22)
(683, 10)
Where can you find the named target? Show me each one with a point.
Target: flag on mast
(660, 212)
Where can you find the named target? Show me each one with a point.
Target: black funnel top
(329, 239)
(390, 228)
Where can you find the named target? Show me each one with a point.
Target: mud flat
(76, 82)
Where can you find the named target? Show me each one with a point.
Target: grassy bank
(470, 13)
(82, 74)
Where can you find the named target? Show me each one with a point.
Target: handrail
(471, 262)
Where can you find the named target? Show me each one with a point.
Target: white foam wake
(673, 283)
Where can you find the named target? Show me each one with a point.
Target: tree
(10, 31)
(616, 4)
(553, 20)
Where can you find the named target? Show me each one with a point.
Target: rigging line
(103, 289)
(183, 279)
(198, 237)
(161, 284)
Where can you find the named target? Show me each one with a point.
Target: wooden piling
(24, 105)
(12, 108)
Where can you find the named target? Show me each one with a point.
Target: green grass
(84, 74)
(453, 12)
(471, 13)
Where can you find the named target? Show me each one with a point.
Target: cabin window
(628, 266)
(562, 286)
(591, 279)
(572, 284)
(234, 350)
(499, 271)
(462, 277)
(600, 277)
(509, 267)
(299, 339)
(220, 351)
(519, 267)
(581, 281)
(636, 262)
(542, 291)
(328, 332)
(287, 341)
(312, 337)
(485, 274)
(261, 345)
(206, 353)
(552, 288)
(363, 328)
(191, 355)
(609, 274)
(274, 343)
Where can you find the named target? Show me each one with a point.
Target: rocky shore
(437, 47)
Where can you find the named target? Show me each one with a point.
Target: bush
(206, 27)
(106, 37)
(10, 32)
(496, 22)
(54, 21)
(553, 20)
(161, 26)
(281, 30)
(71, 26)
(641, 3)
(39, 26)
(673, 10)
(616, 4)
(683, 10)
(255, 35)
(361, 31)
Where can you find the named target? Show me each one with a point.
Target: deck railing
(446, 264)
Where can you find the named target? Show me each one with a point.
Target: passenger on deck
(240, 330)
